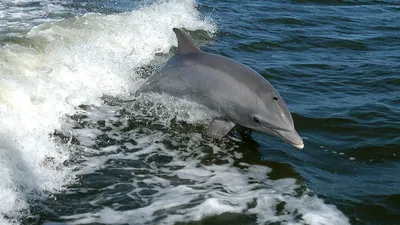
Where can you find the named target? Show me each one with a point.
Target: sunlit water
(76, 146)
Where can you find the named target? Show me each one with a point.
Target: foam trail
(179, 177)
(59, 66)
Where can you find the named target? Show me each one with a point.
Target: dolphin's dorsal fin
(185, 45)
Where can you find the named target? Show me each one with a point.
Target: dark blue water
(336, 64)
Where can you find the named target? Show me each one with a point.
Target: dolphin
(233, 92)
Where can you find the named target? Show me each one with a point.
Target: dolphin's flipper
(218, 128)
(185, 45)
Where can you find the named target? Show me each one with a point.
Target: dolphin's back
(208, 79)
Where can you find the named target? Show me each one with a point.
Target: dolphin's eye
(275, 98)
(256, 119)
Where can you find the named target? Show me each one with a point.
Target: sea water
(78, 147)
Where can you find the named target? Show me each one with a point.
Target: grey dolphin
(232, 92)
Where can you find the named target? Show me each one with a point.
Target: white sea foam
(186, 189)
(62, 65)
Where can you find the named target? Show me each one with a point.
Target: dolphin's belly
(196, 84)
(172, 83)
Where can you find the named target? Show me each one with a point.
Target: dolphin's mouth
(289, 136)
(299, 146)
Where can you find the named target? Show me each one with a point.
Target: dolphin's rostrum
(233, 92)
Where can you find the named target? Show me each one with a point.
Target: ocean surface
(76, 146)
